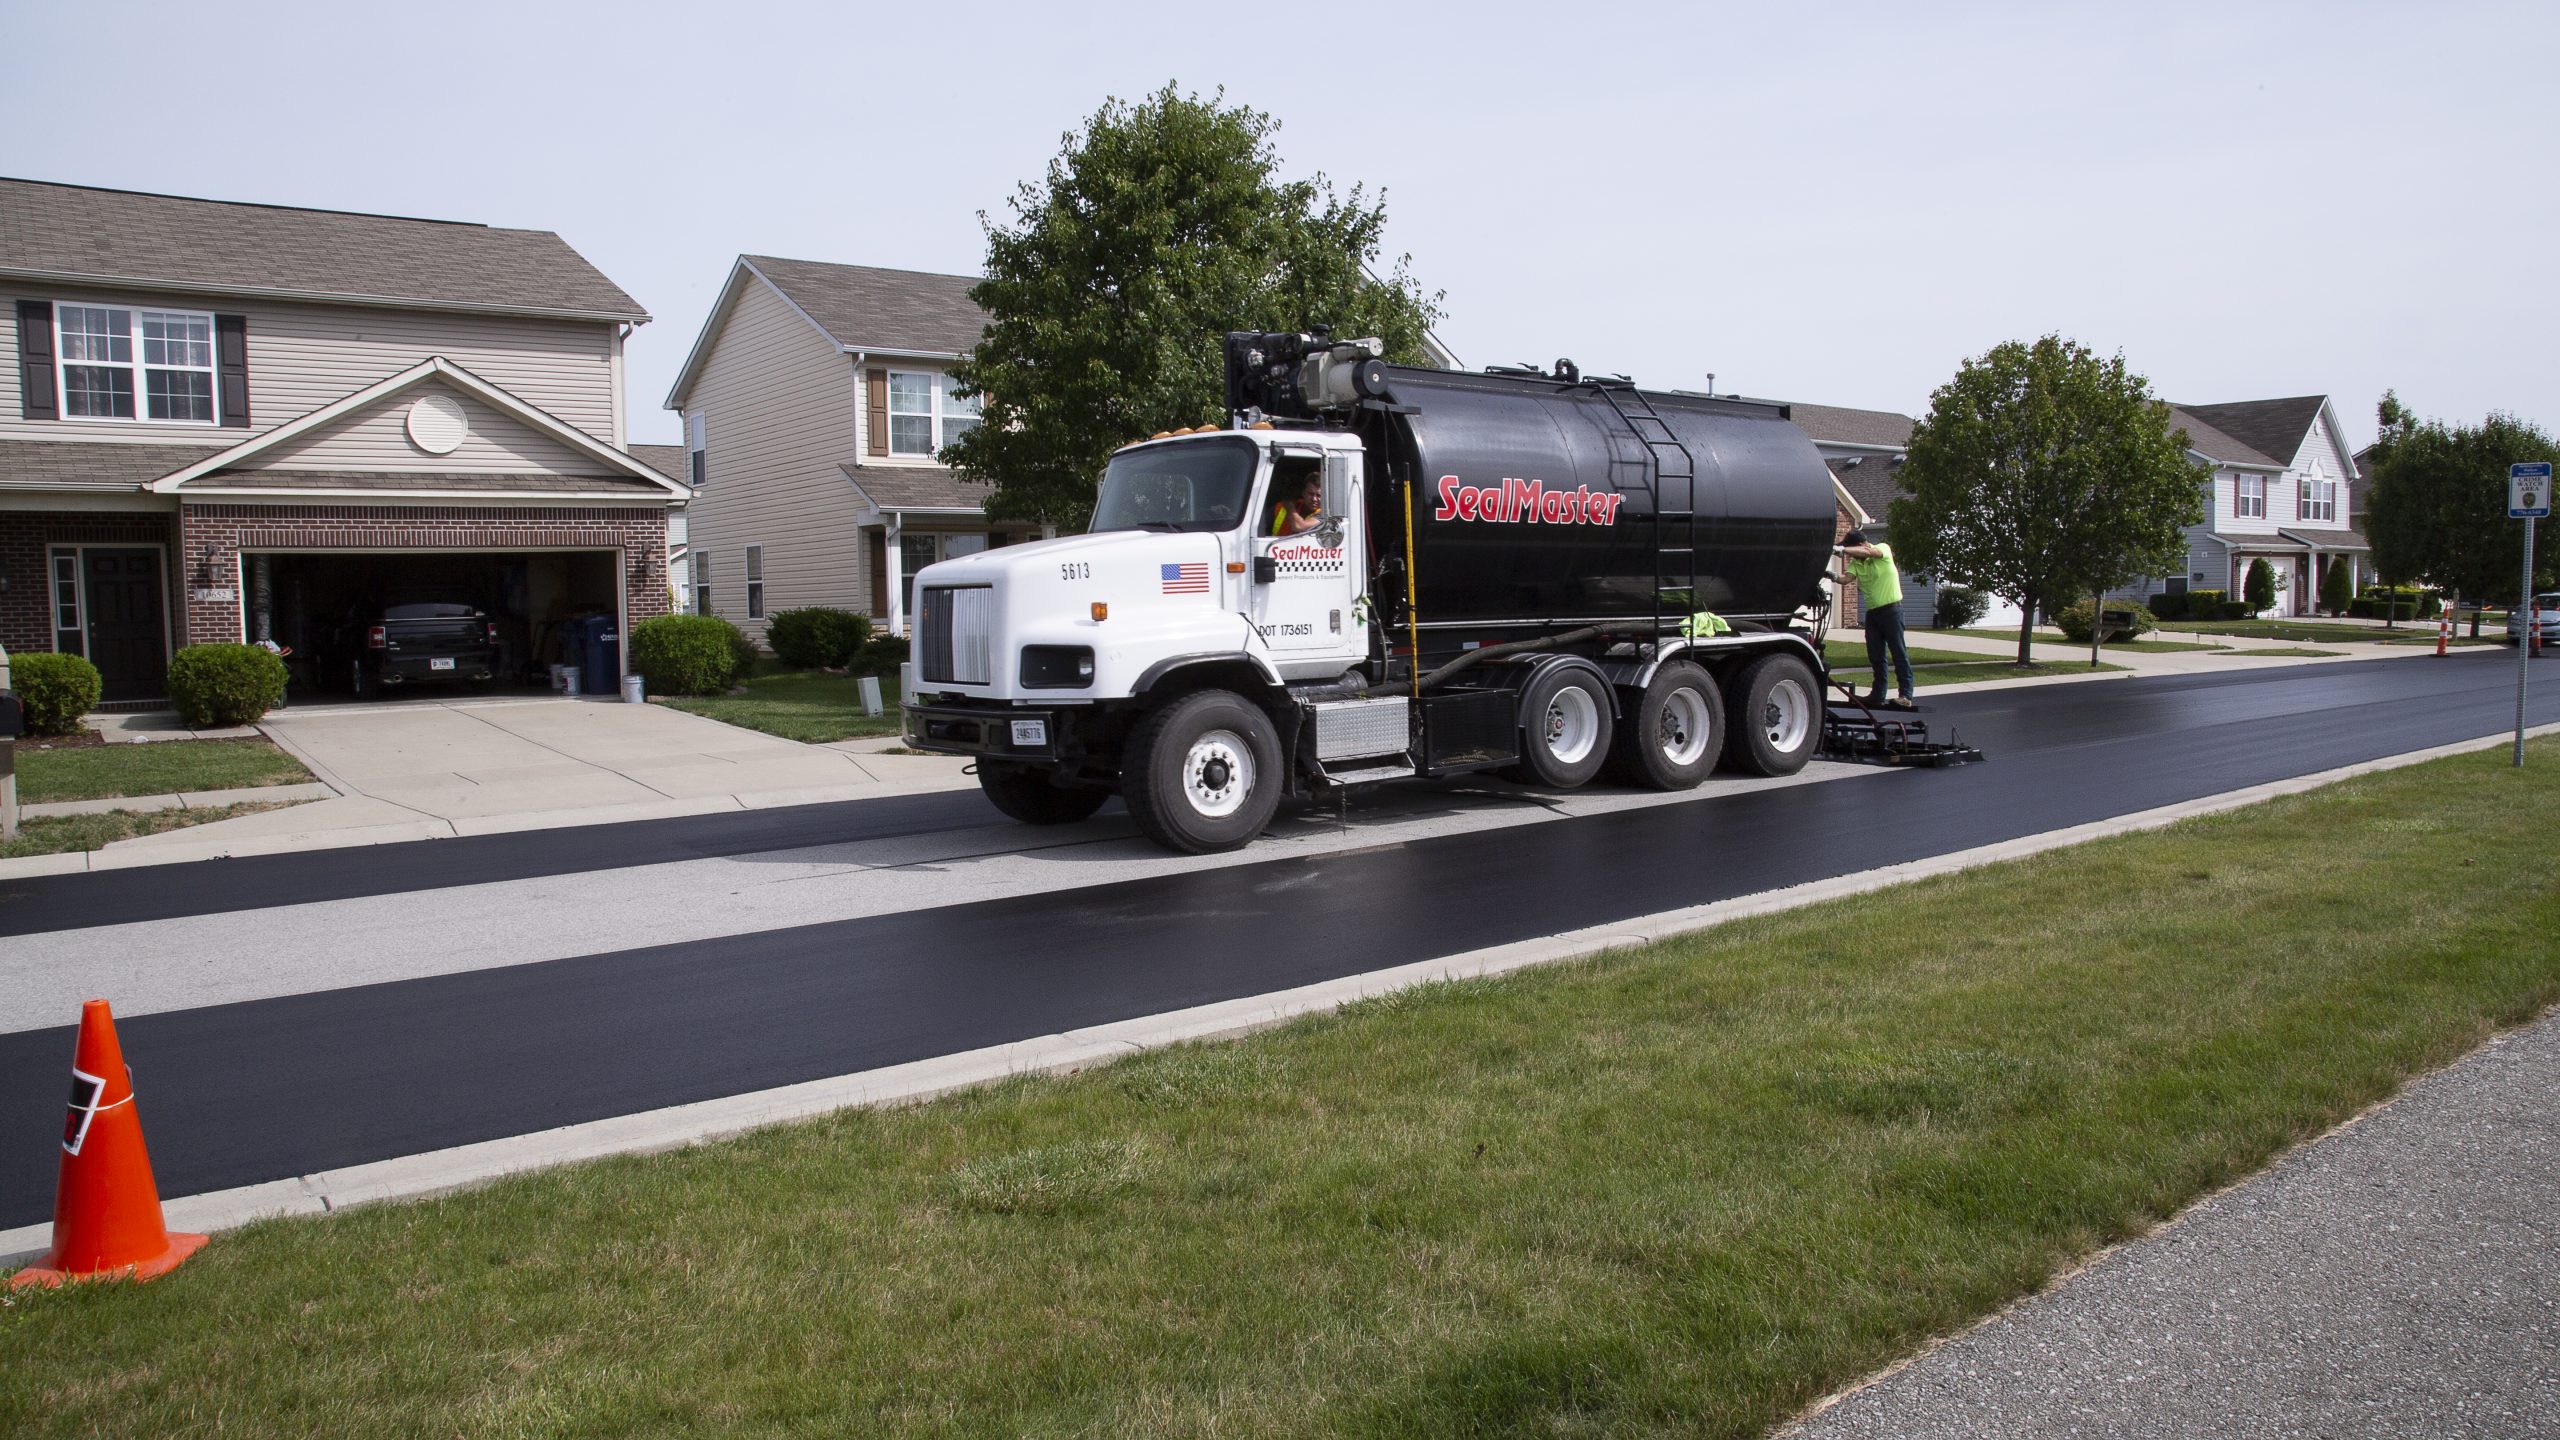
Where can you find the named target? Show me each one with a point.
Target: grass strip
(2281, 652)
(1947, 667)
(2058, 642)
(813, 706)
(59, 834)
(158, 767)
(1683, 1189)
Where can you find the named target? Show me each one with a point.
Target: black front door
(128, 635)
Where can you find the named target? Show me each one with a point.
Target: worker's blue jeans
(1884, 634)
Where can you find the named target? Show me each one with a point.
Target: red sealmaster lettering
(1525, 502)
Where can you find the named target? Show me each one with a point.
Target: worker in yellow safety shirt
(1880, 586)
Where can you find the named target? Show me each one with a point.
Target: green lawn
(1683, 1189)
(2281, 652)
(809, 705)
(159, 767)
(2139, 647)
(1848, 660)
(57, 834)
(2409, 633)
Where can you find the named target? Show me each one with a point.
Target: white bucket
(635, 690)
(569, 681)
(557, 684)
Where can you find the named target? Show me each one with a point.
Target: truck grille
(953, 639)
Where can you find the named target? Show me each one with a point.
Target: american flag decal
(1191, 579)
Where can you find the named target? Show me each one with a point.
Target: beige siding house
(232, 422)
(814, 401)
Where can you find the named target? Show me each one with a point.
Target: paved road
(2400, 1278)
(296, 1014)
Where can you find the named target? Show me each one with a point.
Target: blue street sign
(2529, 490)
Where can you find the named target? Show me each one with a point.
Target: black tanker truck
(1376, 572)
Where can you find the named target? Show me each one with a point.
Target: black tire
(1025, 794)
(1203, 774)
(1773, 724)
(1675, 731)
(1565, 728)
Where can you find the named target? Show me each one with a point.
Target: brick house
(235, 422)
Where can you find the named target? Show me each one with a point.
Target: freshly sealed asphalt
(2399, 1278)
(296, 1084)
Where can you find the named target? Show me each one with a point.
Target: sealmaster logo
(1308, 558)
(1525, 502)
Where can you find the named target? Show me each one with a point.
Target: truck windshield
(1202, 486)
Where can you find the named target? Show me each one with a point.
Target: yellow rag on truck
(1704, 624)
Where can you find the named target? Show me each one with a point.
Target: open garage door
(323, 607)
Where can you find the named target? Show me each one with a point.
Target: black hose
(1490, 652)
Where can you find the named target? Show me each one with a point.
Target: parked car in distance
(412, 642)
(2548, 605)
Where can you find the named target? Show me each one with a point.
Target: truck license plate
(1030, 732)
(439, 664)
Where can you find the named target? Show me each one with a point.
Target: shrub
(882, 656)
(816, 636)
(2124, 622)
(2337, 586)
(1959, 606)
(2168, 605)
(743, 653)
(686, 654)
(2414, 604)
(225, 684)
(55, 689)
(2258, 587)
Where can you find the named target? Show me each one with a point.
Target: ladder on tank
(1675, 555)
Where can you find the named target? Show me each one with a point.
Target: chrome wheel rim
(1787, 717)
(1571, 726)
(1217, 773)
(1685, 726)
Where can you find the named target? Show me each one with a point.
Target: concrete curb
(439, 1172)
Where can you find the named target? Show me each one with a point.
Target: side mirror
(1266, 570)
(1329, 530)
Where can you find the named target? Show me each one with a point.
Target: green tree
(2258, 587)
(1160, 226)
(2337, 586)
(2045, 472)
(2438, 512)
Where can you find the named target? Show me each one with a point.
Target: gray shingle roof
(905, 487)
(168, 241)
(1870, 482)
(91, 465)
(2213, 444)
(667, 460)
(2273, 428)
(1840, 426)
(863, 307)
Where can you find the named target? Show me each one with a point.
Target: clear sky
(1823, 203)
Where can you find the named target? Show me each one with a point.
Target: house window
(66, 603)
(927, 412)
(126, 364)
(2251, 497)
(914, 553)
(2319, 498)
(755, 582)
(696, 466)
(698, 565)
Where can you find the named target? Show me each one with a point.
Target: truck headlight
(1057, 667)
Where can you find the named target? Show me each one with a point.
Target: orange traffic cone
(106, 1210)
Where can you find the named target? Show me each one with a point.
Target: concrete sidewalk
(2051, 648)
(2398, 1277)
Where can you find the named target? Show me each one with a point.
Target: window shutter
(877, 382)
(231, 368)
(879, 572)
(35, 361)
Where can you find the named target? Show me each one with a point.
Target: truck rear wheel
(1776, 721)
(1025, 794)
(1676, 731)
(1565, 728)
(1204, 773)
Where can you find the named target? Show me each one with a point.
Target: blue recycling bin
(594, 641)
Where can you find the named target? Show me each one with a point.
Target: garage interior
(306, 602)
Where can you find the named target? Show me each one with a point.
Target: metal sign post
(2529, 500)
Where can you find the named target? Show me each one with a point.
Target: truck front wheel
(1676, 734)
(1565, 729)
(1776, 723)
(1026, 795)
(1204, 773)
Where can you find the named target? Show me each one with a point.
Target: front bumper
(1004, 731)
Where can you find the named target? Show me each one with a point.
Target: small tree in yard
(2045, 472)
(2337, 586)
(2258, 587)
(2439, 506)
(1161, 226)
